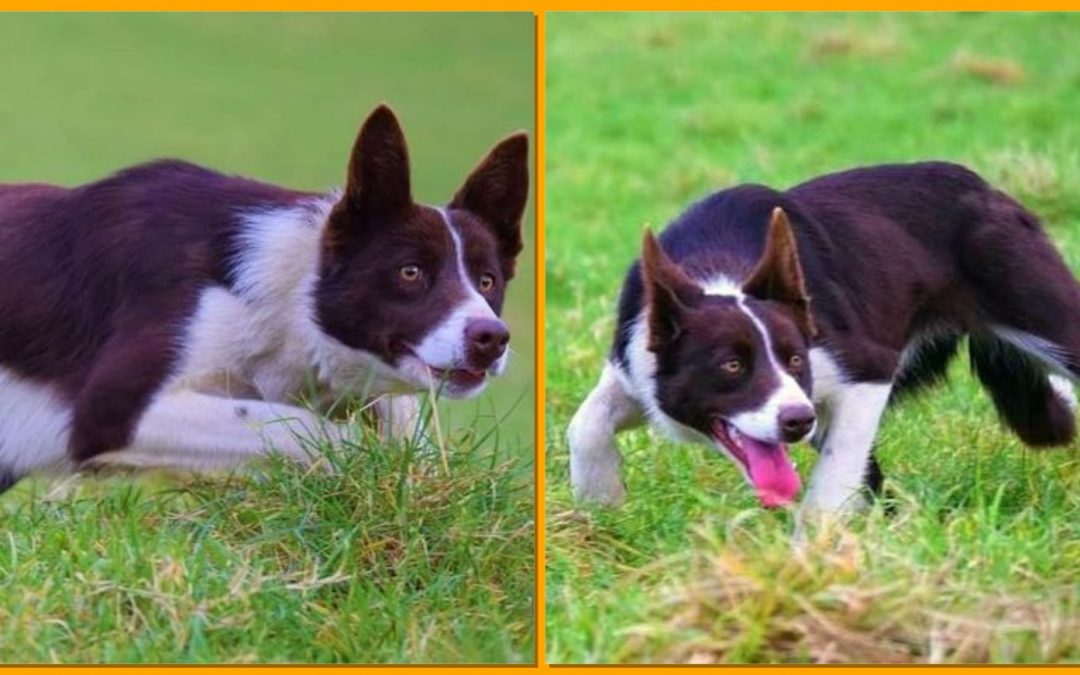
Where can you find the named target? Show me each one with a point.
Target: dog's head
(420, 287)
(735, 367)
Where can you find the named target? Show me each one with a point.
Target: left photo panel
(267, 321)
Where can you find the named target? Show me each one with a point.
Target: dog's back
(81, 264)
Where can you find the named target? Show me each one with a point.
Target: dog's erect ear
(669, 293)
(778, 275)
(497, 189)
(378, 180)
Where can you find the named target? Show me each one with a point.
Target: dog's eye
(487, 282)
(410, 273)
(795, 362)
(732, 366)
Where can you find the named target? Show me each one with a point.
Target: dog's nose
(796, 422)
(486, 340)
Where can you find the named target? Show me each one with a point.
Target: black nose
(796, 422)
(486, 340)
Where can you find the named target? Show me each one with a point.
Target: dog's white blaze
(35, 426)
(762, 422)
(445, 346)
(722, 285)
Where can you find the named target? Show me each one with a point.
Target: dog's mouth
(766, 465)
(458, 380)
(461, 379)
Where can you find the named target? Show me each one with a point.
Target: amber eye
(795, 362)
(410, 273)
(732, 366)
(487, 282)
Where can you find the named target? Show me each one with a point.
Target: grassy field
(981, 561)
(398, 557)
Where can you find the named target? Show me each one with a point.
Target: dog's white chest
(233, 349)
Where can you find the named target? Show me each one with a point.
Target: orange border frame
(538, 8)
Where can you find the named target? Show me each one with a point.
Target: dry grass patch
(854, 42)
(994, 70)
(833, 601)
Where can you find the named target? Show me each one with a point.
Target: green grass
(646, 113)
(393, 558)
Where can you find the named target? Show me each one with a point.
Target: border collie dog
(171, 316)
(762, 317)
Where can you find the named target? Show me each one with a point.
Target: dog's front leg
(188, 430)
(838, 478)
(398, 416)
(595, 462)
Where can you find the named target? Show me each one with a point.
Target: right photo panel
(812, 329)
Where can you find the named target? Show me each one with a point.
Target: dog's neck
(277, 334)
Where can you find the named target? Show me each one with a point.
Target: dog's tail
(1037, 405)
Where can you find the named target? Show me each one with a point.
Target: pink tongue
(771, 472)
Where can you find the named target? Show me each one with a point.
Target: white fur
(189, 430)
(829, 377)
(855, 412)
(595, 462)
(399, 415)
(1063, 389)
(34, 426)
(722, 285)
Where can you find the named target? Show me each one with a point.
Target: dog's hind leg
(188, 430)
(1026, 294)
(1029, 324)
(595, 462)
(1036, 404)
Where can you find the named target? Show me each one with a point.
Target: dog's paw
(610, 492)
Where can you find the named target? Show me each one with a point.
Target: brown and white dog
(171, 316)
(763, 317)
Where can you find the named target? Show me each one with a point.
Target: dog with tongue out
(712, 346)
(715, 338)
